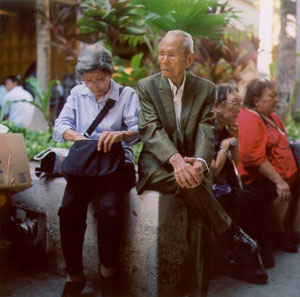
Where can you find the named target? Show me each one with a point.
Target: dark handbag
(84, 163)
(295, 147)
(50, 162)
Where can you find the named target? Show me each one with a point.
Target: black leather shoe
(249, 274)
(73, 289)
(241, 243)
(255, 276)
(249, 270)
(267, 258)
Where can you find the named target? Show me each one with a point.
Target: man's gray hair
(95, 56)
(188, 44)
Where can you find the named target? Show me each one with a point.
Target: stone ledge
(154, 253)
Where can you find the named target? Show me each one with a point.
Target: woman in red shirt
(267, 164)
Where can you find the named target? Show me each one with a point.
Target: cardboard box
(14, 164)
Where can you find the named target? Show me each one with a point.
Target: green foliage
(43, 103)
(223, 59)
(137, 148)
(292, 128)
(36, 141)
(272, 68)
(139, 22)
(200, 18)
(4, 108)
(107, 25)
(128, 76)
(197, 17)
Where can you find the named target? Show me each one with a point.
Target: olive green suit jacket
(157, 123)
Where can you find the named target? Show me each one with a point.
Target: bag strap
(42, 154)
(109, 104)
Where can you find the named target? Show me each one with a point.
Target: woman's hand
(226, 143)
(107, 139)
(283, 190)
(72, 135)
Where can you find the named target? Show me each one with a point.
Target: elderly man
(177, 128)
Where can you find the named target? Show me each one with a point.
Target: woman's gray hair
(188, 44)
(93, 57)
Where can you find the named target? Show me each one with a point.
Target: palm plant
(43, 102)
(224, 59)
(109, 24)
(145, 21)
(200, 18)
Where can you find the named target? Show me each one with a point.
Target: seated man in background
(241, 205)
(176, 125)
(20, 113)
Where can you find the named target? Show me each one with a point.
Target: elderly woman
(240, 204)
(95, 65)
(267, 165)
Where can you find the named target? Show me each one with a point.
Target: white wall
(249, 15)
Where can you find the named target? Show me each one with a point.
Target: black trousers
(110, 193)
(242, 206)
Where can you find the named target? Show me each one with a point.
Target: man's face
(172, 59)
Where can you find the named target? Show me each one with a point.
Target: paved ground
(31, 281)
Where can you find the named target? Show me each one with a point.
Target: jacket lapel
(187, 103)
(166, 98)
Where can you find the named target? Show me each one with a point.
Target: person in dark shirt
(227, 186)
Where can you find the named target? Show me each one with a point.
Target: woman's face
(266, 103)
(9, 84)
(97, 81)
(227, 111)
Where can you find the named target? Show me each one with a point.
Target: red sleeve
(253, 140)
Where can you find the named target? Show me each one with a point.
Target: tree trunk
(296, 105)
(286, 63)
(43, 59)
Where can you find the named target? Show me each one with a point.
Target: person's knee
(108, 214)
(72, 216)
(65, 212)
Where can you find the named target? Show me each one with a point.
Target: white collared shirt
(177, 99)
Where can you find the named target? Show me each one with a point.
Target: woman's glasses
(235, 104)
(97, 82)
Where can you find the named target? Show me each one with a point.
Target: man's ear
(189, 59)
